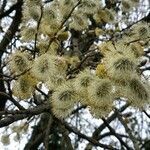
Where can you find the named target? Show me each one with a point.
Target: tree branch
(129, 132)
(46, 139)
(22, 114)
(91, 140)
(116, 135)
(11, 9)
(96, 133)
(4, 43)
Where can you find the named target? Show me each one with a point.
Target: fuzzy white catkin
(100, 91)
(64, 96)
(63, 100)
(83, 80)
(19, 62)
(43, 67)
(138, 93)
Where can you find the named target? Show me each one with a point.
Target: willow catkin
(83, 80)
(79, 22)
(5, 139)
(19, 62)
(55, 81)
(23, 88)
(121, 68)
(100, 91)
(63, 100)
(43, 67)
(89, 6)
(100, 97)
(64, 96)
(138, 93)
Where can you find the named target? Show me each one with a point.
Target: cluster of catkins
(116, 76)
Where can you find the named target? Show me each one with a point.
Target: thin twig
(91, 140)
(116, 135)
(12, 100)
(36, 35)
(128, 130)
(62, 24)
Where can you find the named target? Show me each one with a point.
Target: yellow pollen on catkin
(101, 71)
(99, 31)
(24, 86)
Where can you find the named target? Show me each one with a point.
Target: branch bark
(22, 114)
(116, 135)
(96, 133)
(38, 133)
(11, 9)
(4, 43)
(91, 140)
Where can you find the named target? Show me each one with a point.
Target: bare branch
(116, 135)
(128, 130)
(22, 114)
(96, 134)
(46, 139)
(91, 140)
(11, 9)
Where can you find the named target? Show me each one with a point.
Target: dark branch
(11, 9)
(91, 140)
(96, 134)
(4, 43)
(116, 135)
(22, 114)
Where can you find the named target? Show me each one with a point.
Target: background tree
(75, 74)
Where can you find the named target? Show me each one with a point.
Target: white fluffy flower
(43, 67)
(19, 62)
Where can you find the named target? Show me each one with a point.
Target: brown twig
(47, 132)
(116, 135)
(96, 134)
(62, 24)
(36, 35)
(128, 130)
(10, 10)
(12, 100)
(91, 140)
